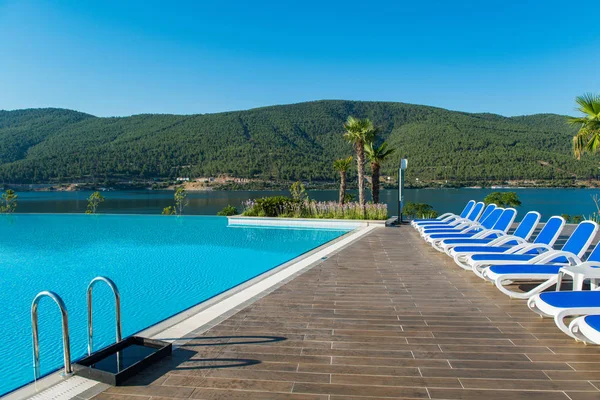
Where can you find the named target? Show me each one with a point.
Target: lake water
(546, 201)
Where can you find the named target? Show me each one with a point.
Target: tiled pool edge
(303, 222)
(202, 316)
(223, 306)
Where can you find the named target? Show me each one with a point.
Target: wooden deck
(387, 317)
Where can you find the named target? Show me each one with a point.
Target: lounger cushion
(593, 321)
(525, 269)
(452, 235)
(444, 230)
(586, 298)
(468, 241)
(502, 257)
(480, 249)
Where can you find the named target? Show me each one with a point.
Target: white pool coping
(203, 316)
(303, 222)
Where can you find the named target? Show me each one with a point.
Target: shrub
(419, 210)
(269, 206)
(349, 198)
(169, 211)
(228, 211)
(280, 206)
(503, 199)
(8, 202)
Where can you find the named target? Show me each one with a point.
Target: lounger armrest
(477, 229)
(559, 318)
(506, 239)
(549, 256)
(463, 221)
(489, 232)
(533, 246)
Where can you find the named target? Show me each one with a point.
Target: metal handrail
(115, 291)
(65, 332)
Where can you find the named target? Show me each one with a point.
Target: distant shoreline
(279, 186)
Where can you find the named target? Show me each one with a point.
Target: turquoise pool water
(162, 265)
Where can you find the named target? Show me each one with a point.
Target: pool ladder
(68, 370)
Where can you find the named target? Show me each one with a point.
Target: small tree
(180, 200)
(359, 132)
(503, 199)
(342, 166)
(376, 156)
(298, 191)
(93, 202)
(8, 204)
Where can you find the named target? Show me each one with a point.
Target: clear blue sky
(129, 57)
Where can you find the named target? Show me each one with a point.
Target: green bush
(8, 202)
(280, 206)
(169, 211)
(270, 206)
(228, 211)
(418, 210)
(503, 199)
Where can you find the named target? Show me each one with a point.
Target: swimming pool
(161, 265)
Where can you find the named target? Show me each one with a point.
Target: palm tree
(359, 132)
(342, 166)
(588, 137)
(376, 156)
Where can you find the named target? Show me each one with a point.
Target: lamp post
(401, 172)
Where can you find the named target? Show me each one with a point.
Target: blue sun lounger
(586, 328)
(474, 215)
(427, 230)
(546, 238)
(576, 245)
(467, 230)
(547, 273)
(568, 304)
(447, 217)
(520, 235)
(502, 225)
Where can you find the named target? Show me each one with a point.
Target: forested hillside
(288, 142)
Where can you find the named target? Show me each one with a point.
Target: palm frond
(577, 120)
(589, 104)
(588, 137)
(342, 164)
(378, 154)
(359, 130)
(593, 143)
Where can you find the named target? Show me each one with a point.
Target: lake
(546, 201)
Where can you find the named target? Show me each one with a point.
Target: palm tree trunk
(360, 167)
(342, 187)
(375, 182)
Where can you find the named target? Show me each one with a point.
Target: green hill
(297, 141)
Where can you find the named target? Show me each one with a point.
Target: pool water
(161, 265)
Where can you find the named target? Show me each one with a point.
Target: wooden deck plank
(387, 317)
